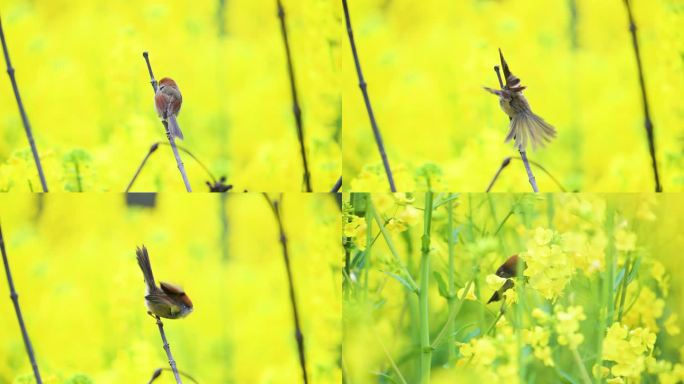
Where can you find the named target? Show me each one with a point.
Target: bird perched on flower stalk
(168, 102)
(508, 270)
(524, 126)
(168, 300)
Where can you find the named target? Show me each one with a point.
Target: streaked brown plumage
(524, 125)
(168, 300)
(507, 270)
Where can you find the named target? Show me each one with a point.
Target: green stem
(390, 244)
(583, 370)
(452, 316)
(389, 357)
(623, 293)
(452, 282)
(426, 349)
(369, 235)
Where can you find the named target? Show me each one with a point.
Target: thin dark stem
(15, 300)
(157, 372)
(295, 99)
(172, 362)
(142, 164)
(504, 164)
(507, 161)
(299, 336)
(364, 90)
(22, 111)
(648, 124)
(169, 136)
(183, 149)
(337, 186)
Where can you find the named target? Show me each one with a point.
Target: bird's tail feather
(145, 267)
(528, 127)
(174, 129)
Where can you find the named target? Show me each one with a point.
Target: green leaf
(635, 270)
(441, 284)
(403, 281)
(619, 277)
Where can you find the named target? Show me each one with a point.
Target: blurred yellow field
(87, 93)
(426, 63)
(81, 291)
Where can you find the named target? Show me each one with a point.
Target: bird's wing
(171, 289)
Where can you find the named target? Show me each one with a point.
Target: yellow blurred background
(81, 291)
(87, 92)
(426, 63)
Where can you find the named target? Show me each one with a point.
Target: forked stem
(169, 136)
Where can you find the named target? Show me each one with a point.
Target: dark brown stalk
(22, 111)
(157, 373)
(337, 186)
(364, 90)
(15, 300)
(295, 99)
(154, 147)
(648, 124)
(299, 336)
(172, 141)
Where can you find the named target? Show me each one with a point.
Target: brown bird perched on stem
(168, 300)
(524, 125)
(168, 102)
(508, 270)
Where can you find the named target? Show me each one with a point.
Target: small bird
(168, 102)
(507, 270)
(524, 125)
(168, 300)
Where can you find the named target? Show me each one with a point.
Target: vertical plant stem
(364, 90)
(22, 111)
(172, 142)
(15, 300)
(425, 348)
(625, 283)
(648, 124)
(607, 282)
(451, 275)
(176, 155)
(299, 336)
(530, 175)
(221, 17)
(580, 364)
(167, 348)
(225, 227)
(295, 99)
